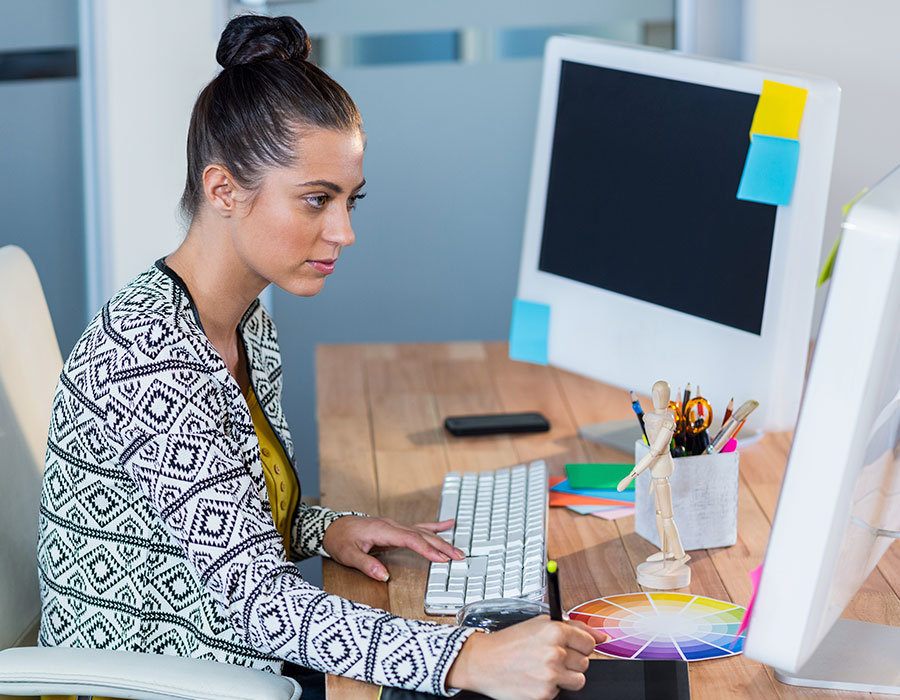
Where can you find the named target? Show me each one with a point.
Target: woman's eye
(317, 201)
(351, 202)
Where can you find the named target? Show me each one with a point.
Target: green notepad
(598, 476)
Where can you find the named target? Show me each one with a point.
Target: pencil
(636, 405)
(686, 398)
(553, 591)
(728, 410)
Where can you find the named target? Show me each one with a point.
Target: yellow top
(281, 482)
(281, 485)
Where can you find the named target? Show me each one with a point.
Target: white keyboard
(501, 525)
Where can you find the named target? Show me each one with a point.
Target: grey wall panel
(31, 24)
(439, 235)
(41, 192)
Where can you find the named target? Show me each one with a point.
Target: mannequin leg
(664, 508)
(659, 523)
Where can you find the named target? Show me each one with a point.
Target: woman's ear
(220, 189)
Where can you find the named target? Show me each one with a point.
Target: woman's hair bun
(252, 38)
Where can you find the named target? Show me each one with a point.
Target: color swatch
(598, 475)
(659, 625)
(612, 494)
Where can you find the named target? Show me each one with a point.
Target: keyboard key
(445, 598)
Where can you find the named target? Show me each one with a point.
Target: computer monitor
(839, 508)
(635, 238)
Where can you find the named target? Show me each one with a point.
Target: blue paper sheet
(528, 332)
(611, 494)
(769, 170)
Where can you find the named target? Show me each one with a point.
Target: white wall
(856, 44)
(145, 64)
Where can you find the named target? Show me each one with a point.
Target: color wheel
(659, 625)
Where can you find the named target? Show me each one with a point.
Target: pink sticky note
(614, 514)
(755, 576)
(730, 446)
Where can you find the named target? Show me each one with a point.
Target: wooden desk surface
(383, 451)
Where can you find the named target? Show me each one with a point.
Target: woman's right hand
(532, 660)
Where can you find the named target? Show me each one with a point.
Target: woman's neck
(221, 285)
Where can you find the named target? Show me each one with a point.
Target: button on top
(266, 452)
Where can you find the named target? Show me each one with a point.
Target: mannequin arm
(658, 447)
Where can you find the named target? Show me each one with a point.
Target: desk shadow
(425, 438)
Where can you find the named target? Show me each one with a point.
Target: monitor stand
(854, 655)
(620, 434)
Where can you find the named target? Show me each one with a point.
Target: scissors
(697, 415)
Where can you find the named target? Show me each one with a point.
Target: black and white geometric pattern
(156, 533)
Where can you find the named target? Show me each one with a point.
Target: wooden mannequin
(667, 568)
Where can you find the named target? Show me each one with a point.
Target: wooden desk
(383, 450)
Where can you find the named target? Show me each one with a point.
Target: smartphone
(492, 423)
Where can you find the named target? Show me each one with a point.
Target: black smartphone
(492, 423)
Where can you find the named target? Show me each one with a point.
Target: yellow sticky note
(779, 110)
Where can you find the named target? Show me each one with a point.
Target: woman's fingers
(369, 565)
(436, 527)
(431, 551)
(570, 680)
(443, 546)
(576, 661)
(583, 638)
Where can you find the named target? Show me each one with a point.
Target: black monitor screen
(642, 201)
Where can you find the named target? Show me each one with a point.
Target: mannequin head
(661, 393)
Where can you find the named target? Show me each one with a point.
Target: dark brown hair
(247, 118)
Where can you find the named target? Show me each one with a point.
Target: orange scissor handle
(698, 414)
(679, 419)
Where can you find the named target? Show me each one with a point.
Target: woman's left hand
(351, 540)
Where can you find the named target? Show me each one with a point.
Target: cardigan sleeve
(165, 420)
(308, 529)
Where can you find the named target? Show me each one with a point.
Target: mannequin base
(664, 575)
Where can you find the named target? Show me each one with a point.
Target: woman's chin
(302, 288)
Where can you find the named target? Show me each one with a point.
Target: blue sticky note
(769, 170)
(528, 332)
(611, 494)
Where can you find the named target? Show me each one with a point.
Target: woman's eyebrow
(330, 185)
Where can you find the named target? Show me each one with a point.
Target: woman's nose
(341, 230)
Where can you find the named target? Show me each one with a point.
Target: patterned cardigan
(156, 533)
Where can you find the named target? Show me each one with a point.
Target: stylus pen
(732, 426)
(636, 405)
(553, 592)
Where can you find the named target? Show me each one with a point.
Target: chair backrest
(30, 363)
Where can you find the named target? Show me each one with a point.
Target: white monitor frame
(624, 341)
(839, 507)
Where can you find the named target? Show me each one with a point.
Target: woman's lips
(326, 267)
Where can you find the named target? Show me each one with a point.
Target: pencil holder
(704, 500)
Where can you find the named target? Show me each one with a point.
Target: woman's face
(291, 231)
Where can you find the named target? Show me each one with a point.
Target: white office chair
(30, 363)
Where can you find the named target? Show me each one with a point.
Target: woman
(169, 511)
